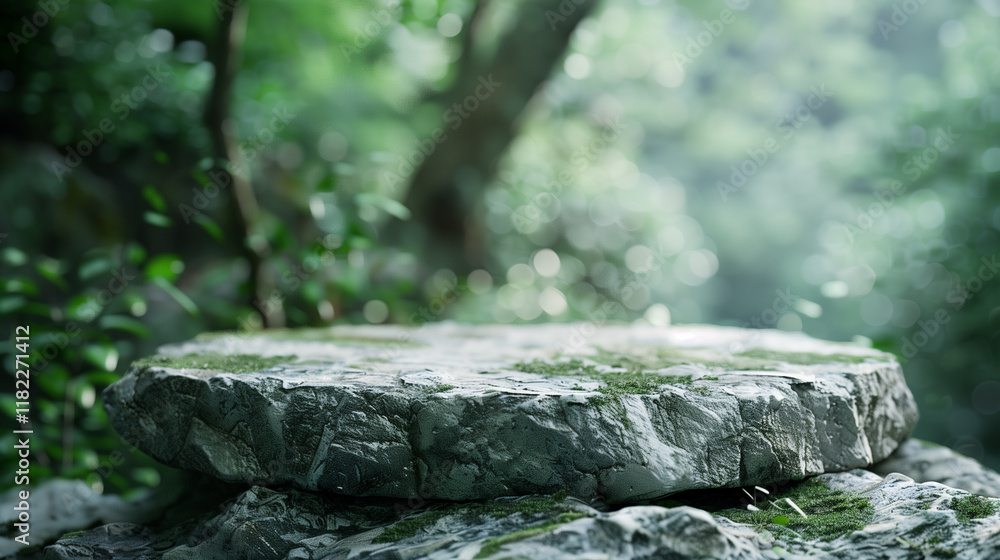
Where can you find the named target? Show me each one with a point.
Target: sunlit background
(827, 167)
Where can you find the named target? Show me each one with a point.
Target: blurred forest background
(170, 168)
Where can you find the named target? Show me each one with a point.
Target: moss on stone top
(439, 388)
(628, 376)
(831, 513)
(639, 373)
(968, 508)
(228, 363)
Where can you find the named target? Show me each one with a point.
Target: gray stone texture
(928, 462)
(908, 521)
(445, 411)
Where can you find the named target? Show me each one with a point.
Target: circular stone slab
(462, 412)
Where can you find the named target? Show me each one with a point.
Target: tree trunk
(481, 112)
(245, 210)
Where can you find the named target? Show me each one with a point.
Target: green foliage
(631, 214)
(87, 321)
(831, 513)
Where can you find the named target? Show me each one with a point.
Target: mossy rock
(461, 412)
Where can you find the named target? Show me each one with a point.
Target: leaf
(94, 268)
(166, 266)
(7, 404)
(179, 296)
(780, 520)
(154, 198)
(53, 384)
(155, 219)
(101, 356)
(135, 253)
(210, 226)
(101, 378)
(388, 205)
(13, 256)
(22, 285)
(327, 184)
(161, 156)
(123, 323)
(49, 269)
(11, 303)
(146, 476)
(83, 308)
(796, 507)
(201, 177)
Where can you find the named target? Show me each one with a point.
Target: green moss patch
(534, 505)
(831, 513)
(638, 373)
(972, 507)
(493, 546)
(628, 376)
(229, 363)
(409, 527)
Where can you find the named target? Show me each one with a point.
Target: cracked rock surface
(928, 462)
(460, 412)
(899, 519)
